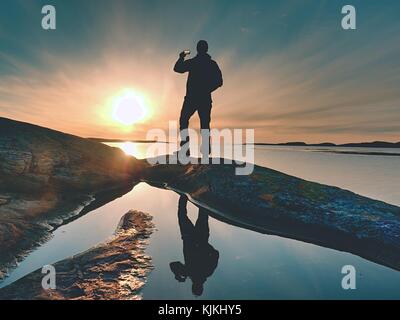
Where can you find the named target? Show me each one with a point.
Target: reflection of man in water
(201, 258)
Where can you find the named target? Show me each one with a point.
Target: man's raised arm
(181, 66)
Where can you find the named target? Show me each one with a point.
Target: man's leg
(188, 109)
(185, 225)
(205, 119)
(202, 227)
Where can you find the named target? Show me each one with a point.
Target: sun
(129, 108)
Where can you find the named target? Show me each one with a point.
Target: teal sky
(290, 70)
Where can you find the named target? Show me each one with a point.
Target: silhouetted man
(201, 259)
(204, 78)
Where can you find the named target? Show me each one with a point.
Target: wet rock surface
(116, 269)
(46, 174)
(272, 202)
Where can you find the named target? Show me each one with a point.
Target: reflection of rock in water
(113, 270)
(269, 201)
(45, 176)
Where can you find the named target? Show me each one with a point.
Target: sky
(290, 71)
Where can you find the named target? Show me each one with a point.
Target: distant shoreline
(387, 154)
(375, 144)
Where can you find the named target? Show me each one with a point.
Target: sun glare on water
(129, 148)
(129, 108)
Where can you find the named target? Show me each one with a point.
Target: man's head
(202, 47)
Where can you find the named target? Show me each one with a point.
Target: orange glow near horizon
(134, 96)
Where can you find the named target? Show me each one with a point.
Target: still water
(249, 265)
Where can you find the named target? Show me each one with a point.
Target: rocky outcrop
(46, 176)
(113, 270)
(32, 157)
(272, 202)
